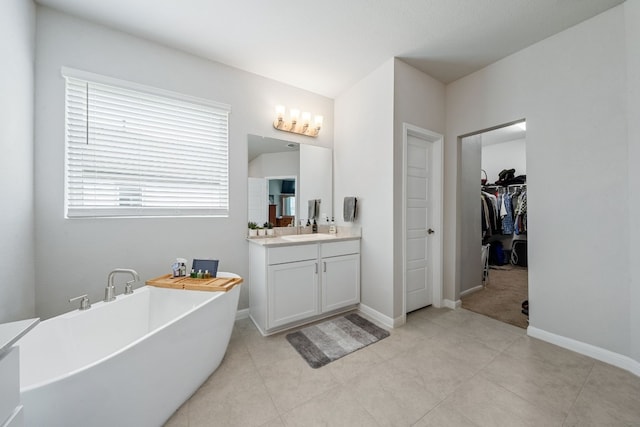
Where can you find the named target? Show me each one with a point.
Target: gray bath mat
(328, 341)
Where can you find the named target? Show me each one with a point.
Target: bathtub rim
(145, 289)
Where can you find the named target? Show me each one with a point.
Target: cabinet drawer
(339, 248)
(292, 254)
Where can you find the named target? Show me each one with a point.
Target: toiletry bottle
(183, 270)
(206, 275)
(332, 227)
(314, 229)
(175, 268)
(193, 273)
(199, 276)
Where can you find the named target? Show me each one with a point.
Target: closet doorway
(422, 218)
(494, 274)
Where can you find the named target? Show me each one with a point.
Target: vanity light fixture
(297, 123)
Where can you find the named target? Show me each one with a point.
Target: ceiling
(327, 46)
(504, 134)
(258, 145)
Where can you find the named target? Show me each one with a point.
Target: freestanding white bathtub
(130, 362)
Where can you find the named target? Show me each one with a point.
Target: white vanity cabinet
(295, 284)
(11, 411)
(10, 407)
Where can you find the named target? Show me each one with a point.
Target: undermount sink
(307, 237)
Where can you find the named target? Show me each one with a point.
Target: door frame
(437, 210)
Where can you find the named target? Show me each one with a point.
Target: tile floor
(443, 368)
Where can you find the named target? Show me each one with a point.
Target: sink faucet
(110, 290)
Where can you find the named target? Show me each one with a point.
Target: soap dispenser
(314, 228)
(332, 227)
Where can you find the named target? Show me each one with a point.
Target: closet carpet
(502, 298)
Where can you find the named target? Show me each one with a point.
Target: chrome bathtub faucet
(110, 290)
(85, 304)
(128, 287)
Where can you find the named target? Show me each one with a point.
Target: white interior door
(420, 221)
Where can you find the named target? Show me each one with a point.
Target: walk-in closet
(494, 268)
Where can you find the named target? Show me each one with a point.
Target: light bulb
(279, 111)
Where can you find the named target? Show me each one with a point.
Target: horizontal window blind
(133, 153)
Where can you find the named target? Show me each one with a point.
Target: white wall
(17, 37)
(275, 164)
(316, 181)
(471, 234)
(418, 100)
(75, 256)
(571, 88)
(505, 155)
(632, 18)
(257, 200)
(363, 153)
(368, 164)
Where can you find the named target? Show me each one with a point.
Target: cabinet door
(293, 292)
(9, 382)
(340, 282)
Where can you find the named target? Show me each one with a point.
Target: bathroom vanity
(300, 278)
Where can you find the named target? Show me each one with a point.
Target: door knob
(431, 231)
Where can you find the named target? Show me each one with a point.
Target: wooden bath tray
(213, 284)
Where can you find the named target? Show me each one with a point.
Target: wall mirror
(283, 177)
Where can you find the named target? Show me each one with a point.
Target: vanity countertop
(13, 331)
(303, 239)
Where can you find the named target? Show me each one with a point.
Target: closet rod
(504, 186)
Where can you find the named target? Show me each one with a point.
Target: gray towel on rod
(314, 209)
(349, 208)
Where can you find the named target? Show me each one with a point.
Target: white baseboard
(470, 291)
(598, 353)
(242, 314)
(381, 318)
(452, 304)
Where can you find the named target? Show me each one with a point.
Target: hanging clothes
(491, 222)
(484, 212)
(520, 212)
(506, 213)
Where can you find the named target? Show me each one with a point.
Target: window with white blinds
(138, 151)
